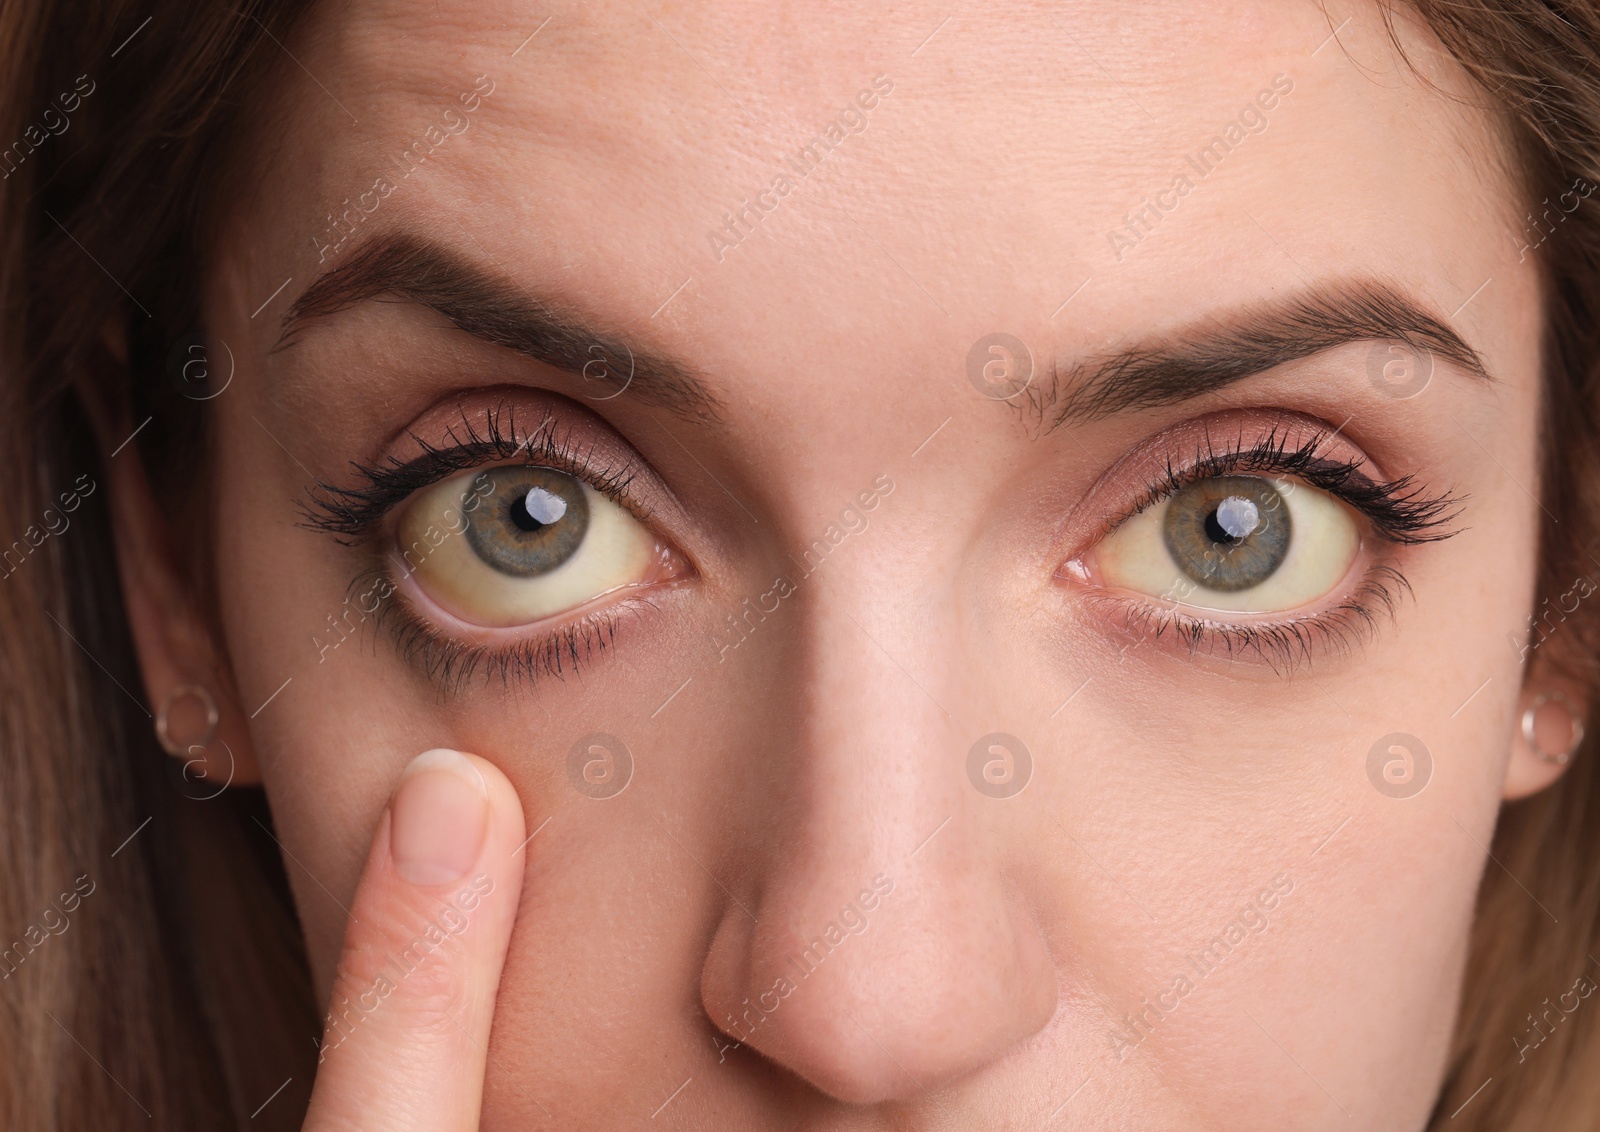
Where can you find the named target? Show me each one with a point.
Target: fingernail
(438, 817)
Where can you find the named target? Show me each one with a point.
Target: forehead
(828, 175)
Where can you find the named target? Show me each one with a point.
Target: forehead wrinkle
(562, 103)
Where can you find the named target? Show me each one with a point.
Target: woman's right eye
(513, 545)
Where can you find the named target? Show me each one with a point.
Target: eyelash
(1401, 513)
(451, 663)
(352, 516)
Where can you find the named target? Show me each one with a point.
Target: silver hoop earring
(1559, 758)
(182, 750)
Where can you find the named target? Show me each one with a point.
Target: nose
(886, 952)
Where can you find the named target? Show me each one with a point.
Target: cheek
(333, 714)
(1188, 788)
(1173, 836)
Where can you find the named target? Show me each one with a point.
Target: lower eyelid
(451, 652)
(423, 607)
(451, 663)
(1283, 645)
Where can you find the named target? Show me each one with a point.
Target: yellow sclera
(616, 551)
(1325, 542)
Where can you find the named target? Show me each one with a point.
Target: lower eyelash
(451, 663)
(1283, 645)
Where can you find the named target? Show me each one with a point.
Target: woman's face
(1000, 575)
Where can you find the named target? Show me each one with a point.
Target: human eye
(502, 550)
(515, 544)
(1270, 542)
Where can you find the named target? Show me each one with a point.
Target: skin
(774, 782)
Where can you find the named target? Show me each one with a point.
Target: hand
(413, 998)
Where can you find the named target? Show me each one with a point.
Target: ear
(1551, 719)
(172, 638)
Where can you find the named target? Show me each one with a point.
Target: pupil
(537, 509)
(1233, 520)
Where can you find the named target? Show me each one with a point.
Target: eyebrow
(496, 309)
(1217, 351)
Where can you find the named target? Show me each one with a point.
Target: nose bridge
(875, 734)
(887, 954)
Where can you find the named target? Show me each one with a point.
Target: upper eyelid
(1221, 464)
(348, 514)
(1401, 509)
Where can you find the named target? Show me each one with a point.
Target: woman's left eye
(1236, 543)
(508, 546)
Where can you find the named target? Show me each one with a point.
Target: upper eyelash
(1400, 510)
(348, 514)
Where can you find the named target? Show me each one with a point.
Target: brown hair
(179, 989)
(176, 995)
(1538, 916)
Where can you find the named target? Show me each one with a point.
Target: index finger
(407, 1032)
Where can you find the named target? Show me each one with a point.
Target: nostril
(805, 957)
(879, 997)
